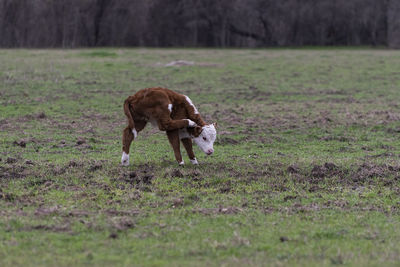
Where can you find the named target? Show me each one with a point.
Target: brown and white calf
(171, 112)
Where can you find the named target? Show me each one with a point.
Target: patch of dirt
(369, 170)
(286, 198)
(252, 93)
(7, 197)
(393, 130)
(176, 173)
(293, 169)
(219, 210)
(81, 144)
(339, 204)
(122, 223)
(226, 189)
(58, 170)
(114, 212)
(96, 165)
(140, 179)
(75, 164)
(337, 138)
(80, 141)
(177, 202)
(183, 63)
(11, 160)
(61, 144)
(51, 228)
(13, 171)
(320, 171)
(44, 211)
(223, 140)
(352, 175)
(21, 143)
(41, 115)
(300, 208)
(79, 213)
(179, 63)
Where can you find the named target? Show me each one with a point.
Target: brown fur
(151, 104)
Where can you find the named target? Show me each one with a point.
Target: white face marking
(191, 123)
(206, 139)
(134, 133)
(125, 159)
(181, 163)
(194, 161)
(190, 103)
(170, 108)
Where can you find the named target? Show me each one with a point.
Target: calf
(171, 112)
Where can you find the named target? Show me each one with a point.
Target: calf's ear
(197, 131)
(215, 125)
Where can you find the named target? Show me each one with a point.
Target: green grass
(305, 171)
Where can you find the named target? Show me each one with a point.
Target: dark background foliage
(203, 23)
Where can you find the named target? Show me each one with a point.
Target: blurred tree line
(205, 23)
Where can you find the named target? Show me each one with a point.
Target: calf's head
(204, 137)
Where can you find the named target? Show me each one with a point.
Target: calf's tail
(128, 114)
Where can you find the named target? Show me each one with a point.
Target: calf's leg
(128, 135)
(165, 123)
(173, 138)
(127, 138)
(170, 125)
(187, 143)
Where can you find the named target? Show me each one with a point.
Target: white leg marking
(194, 161)
(125, 159)
(181, 163)
(190, 103)
(134, 133)
(170, 108)
(191, 123)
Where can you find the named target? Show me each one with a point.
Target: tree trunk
(393, 21)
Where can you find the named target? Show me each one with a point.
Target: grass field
(306, 169)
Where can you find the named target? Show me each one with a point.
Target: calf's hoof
(181, 163)
(194, 161)
(125, 159)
